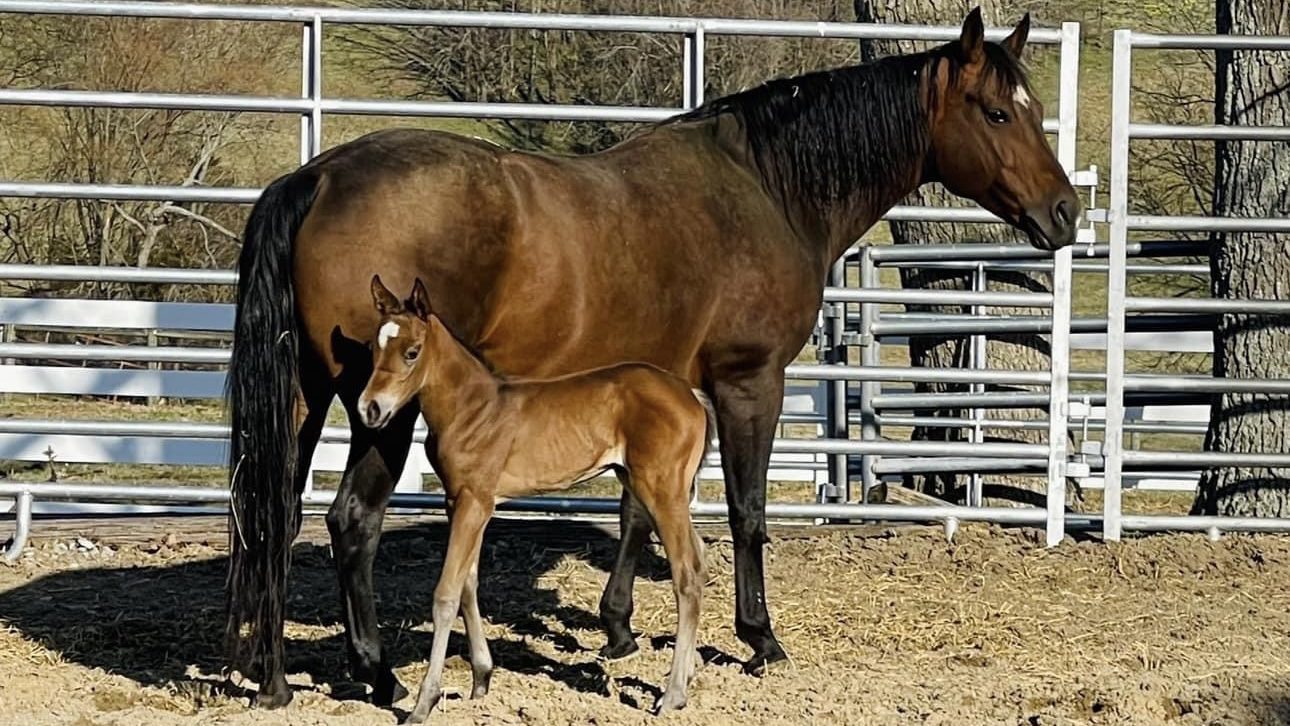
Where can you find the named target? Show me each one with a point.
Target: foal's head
(987, 137)
(398, 362)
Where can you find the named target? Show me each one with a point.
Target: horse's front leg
(748, 409)
(376, 459)
(469, 515)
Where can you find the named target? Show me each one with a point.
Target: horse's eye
(997, 116)
(412, 354)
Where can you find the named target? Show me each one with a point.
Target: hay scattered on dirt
(888, 626)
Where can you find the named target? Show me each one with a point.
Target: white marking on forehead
(1021, 97)
(386, 333)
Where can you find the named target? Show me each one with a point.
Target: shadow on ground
(154, 624)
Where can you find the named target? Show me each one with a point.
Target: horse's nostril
(373, 412)
(1062, 213)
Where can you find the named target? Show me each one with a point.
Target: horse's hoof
(272, 700)
(619, 651)
(763, 663)
(388, 692)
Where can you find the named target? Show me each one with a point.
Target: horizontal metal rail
(1169, 223)
(1209, 133)
(341, 106)
(1206, 305)
(884, 255)
(1161, 41)
(891, 466)
(1202, 459)
(129, 192)
(901, 325)
(336, 434)
(937, 297)
(1047, 266)
(899, 374)
(94, 273)
(1214, 525)
(114, 353)
(513, 21)
(955, 422)
(1012, 399)
(1150, 382)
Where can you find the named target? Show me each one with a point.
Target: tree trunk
(1252, 180)
(1019, 352)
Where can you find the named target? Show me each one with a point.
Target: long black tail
(263, 383)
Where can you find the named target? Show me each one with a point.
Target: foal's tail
(262, 387)
(709, 431)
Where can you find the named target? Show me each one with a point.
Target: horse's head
(397, 354)
(987, 137)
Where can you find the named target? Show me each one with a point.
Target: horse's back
(546, 264)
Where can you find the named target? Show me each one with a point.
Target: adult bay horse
(700, 245)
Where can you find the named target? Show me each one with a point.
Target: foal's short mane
(831, 135)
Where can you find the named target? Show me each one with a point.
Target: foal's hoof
(270, 700)
(669, 702)
(619, 651)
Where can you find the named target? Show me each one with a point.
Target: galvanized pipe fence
(853, 399)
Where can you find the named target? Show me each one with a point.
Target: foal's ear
(1016, 40)
(420, 300)
(387, 303)
(972, 38)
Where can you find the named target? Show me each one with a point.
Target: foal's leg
(669, 502)
(376, 459)
(481, 661)
(616, 604)
(747, 412)
(469, 516)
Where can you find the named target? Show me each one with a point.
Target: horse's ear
(1016, 40)
(972, 38)
(387, 303)
(420, 300)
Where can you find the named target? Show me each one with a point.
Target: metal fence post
(692, 70)
(1113, 439)
(835, 353)
(306, 86)
(1059, 386)
(315, 87)
(869, 356)
(977, 361)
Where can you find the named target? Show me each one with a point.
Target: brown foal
(499, 438)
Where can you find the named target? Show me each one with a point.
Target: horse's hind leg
(376, 459)
(481, 661)
(311, 413)
(616, 604)
(667, 500)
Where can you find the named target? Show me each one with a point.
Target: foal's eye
(412, 353)
(997, 116)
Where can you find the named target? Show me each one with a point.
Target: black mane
(831, 135)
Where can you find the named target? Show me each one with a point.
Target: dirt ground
(884, 625)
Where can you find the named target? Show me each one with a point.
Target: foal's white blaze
(387, 332)
(1021, 97)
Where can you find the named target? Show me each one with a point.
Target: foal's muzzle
(372, 414)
